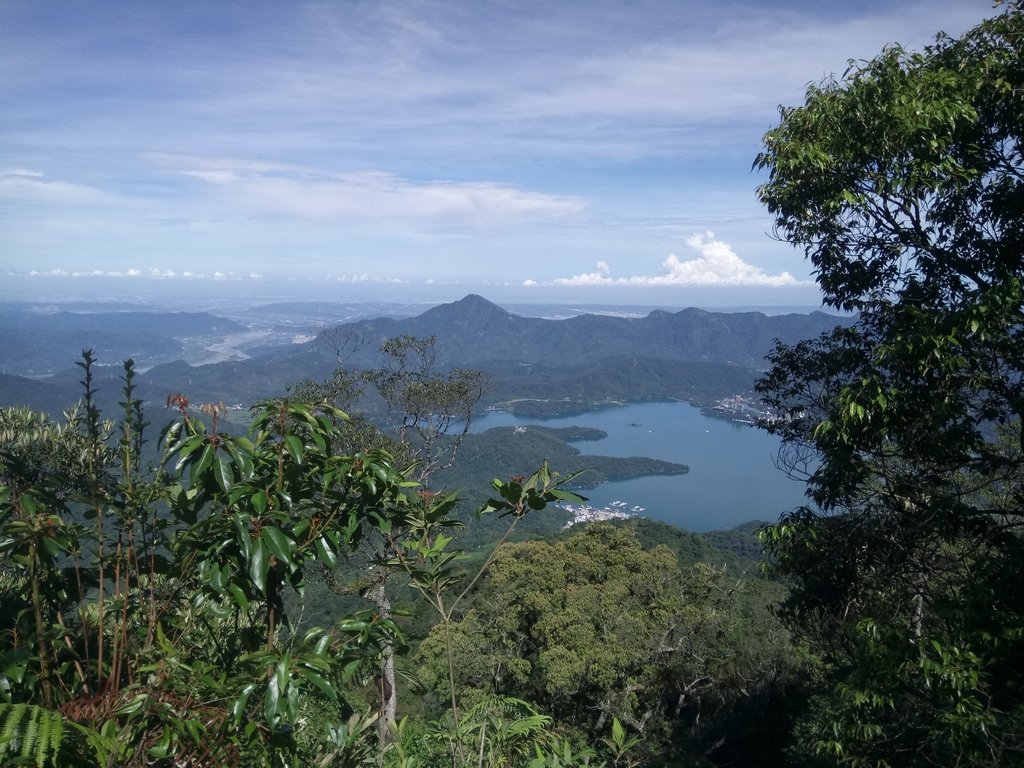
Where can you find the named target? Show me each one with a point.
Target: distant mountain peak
(476, 301)
(471, 305)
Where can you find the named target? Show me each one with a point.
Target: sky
(528, 151)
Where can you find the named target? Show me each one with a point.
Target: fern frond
(103, 747)
(32, 732)
(56, 736)
(37, 740)
(11, 716)
(35, 734)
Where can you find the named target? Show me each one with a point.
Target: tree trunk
(376, 593)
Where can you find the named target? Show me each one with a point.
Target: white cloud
(717, 265)
(25, 185)
(50, 273)
(366, 278)
(153, 273)
(288, 190)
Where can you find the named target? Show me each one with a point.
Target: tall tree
(903, 182)
(597, 629)
(429, 412)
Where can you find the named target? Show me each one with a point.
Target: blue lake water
(732, 477)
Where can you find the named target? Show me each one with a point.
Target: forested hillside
(537, 367)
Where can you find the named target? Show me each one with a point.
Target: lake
(732, 477)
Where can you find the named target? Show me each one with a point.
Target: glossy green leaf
(271, 701)
(326, 553)
(239, 705)
(242, 535)
(238, 595)
(205, 459)
(319, 681)
(242, 460)
(259, 502)
(295, 447)
(223, 473)
(259, 565)
(278, 543)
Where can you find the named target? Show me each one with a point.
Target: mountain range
(535, 365)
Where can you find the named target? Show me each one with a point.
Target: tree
(903, 182)
(598, 630)
(429, 412)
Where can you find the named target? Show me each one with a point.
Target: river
(732, 477)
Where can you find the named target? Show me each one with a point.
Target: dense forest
(301, 590)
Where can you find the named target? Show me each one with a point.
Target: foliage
(429, 413)
(424, 556)
(158, 632)
(595, 629)
(904, 184)
(149, 617)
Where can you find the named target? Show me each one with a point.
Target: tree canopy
(903, 183)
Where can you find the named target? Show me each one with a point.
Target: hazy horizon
(213, 298)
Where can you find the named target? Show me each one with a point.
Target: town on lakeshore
(617, 510)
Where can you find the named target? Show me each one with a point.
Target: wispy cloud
(366, 278)
(26, 185)
(152, 273)
(717, 265)
(294, 191)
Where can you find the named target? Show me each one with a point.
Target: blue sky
(532, 151)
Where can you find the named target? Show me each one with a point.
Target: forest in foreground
(296, 593)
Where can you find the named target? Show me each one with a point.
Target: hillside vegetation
(536, 367)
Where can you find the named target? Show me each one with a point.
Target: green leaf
(618, 732)
(187, 448)
(222, 472)
(241, 459)
(205, 459)
(259, 502)
(326, 553)
(295, 447)
(259, 565)
(242, 536)
(239, 596)
(238, 705)
(28, 504)
(278, 543)
(319, 681)
(162, 748)
(271, 701)
(215, 576)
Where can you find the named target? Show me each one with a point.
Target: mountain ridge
(692, 354)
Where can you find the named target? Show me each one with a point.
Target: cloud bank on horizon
(716, 266)
(437, 144)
